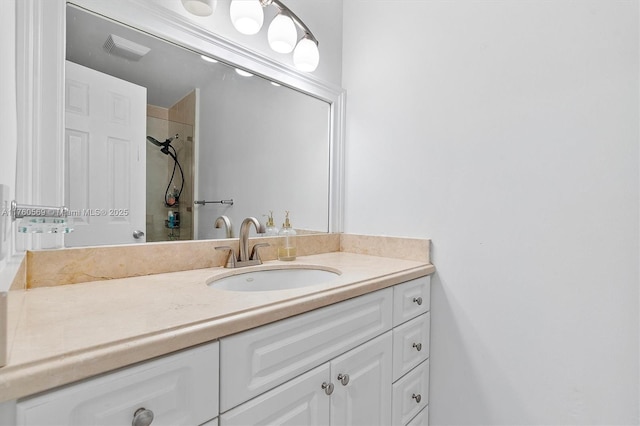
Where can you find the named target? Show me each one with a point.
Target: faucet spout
(224, 221)
(244, 236)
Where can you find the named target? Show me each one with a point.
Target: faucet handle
(231, 257)
(254, 252)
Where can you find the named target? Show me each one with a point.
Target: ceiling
(169, 72)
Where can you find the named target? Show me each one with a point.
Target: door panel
(105, 175)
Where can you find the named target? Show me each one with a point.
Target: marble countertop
(67, 333)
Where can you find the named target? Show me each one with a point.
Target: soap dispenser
(270, 228)
(288, 249)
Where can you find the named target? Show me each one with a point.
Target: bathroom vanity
(353, 350)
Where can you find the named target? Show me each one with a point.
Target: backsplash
(45, 268)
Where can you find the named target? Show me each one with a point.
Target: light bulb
(243, 73)
(246, 15)
(306, 56)
(282, 34)
(200, 7)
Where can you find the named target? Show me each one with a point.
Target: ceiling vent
(124, 48)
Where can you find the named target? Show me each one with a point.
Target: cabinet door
(300, 401)
(180, 389)
(362, 394)
(257, 360)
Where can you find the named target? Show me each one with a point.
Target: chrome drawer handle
(417, 300)
(418, 346)
(142, 417)
(417, 397)
(344, 379)
(328, 388)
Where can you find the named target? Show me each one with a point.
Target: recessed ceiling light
(275, 84)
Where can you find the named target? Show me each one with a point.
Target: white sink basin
(273, 279)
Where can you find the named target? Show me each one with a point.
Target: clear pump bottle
(270, 228)
(288, 249)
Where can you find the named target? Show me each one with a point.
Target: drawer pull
(417, 300)
(418, 346)
(344, 379)
(328, 388)
(142, 417)
(417, 397)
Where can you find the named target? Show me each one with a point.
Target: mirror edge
(40, 87)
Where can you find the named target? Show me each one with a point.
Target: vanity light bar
(247, 16)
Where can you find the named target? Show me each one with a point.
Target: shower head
(163, 145)
(156, 141)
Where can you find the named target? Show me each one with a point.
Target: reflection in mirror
(207, 132)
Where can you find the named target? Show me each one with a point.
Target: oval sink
(273, 279)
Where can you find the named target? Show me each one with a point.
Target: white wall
(8, 122)
(507, 131)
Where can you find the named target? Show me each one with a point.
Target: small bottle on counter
(270, 228)
(288, 249)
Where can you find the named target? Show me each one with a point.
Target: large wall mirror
(160, 114)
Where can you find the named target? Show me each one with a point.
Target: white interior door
(105, 126)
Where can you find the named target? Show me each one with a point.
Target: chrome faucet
(243, 258)
(224, 221)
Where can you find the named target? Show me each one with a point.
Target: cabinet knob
(417, 397)
(418, 346)
(417, 300)
(328, 388)
(142, 417)
(344, 379)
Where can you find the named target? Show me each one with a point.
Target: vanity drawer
(180, 389)
(411, 299)
(422, 419)
(260, 359)
(410, 394)
(410, 344)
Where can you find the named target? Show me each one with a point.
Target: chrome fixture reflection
(167, 149)
(247, 17)
(42, 219)
(226, 222)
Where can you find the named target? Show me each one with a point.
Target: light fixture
(306, 55)
(246, 16)
(282, 34)
(200, 7)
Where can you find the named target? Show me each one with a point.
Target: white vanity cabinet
(177, 389)
(363, 361)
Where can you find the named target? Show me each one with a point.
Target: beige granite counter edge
(28, 379)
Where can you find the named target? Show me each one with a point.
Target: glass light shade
(282, 34)
(200, 7)
(246, 15)
(306, 55)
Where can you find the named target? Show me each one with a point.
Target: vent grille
(124, 48)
